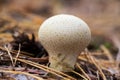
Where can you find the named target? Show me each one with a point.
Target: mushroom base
(62, 62)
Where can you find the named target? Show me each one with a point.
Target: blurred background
(103, 16)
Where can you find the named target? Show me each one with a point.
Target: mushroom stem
(62, 63)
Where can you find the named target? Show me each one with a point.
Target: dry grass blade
(79, 75)
(83, 71)
(11, 58)
(97, 65)
(17, 54)
(45, 68)
(18, 72)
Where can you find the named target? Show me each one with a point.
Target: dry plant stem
(19, 72)
(97, 65)
(83, 71)
(45, 68)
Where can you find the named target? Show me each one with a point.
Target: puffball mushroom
(64, 37)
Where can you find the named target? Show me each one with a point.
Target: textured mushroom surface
(64, 37)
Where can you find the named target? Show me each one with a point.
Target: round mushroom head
(64, 35)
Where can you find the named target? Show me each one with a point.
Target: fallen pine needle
(107, 53)
(25, 73)
(45, 68)
(11, 58)
(83, 71)
(17, 54)
(97, 65)
(79, 75)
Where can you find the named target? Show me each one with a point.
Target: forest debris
(97, 66)
(17, 55)
(117, 44)
(25, 73)
(8, 51)
(28, 45)
(60, 74)
(80, 75)
(107, 53)
(83, 71)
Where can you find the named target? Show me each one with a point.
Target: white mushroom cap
(64, 37)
